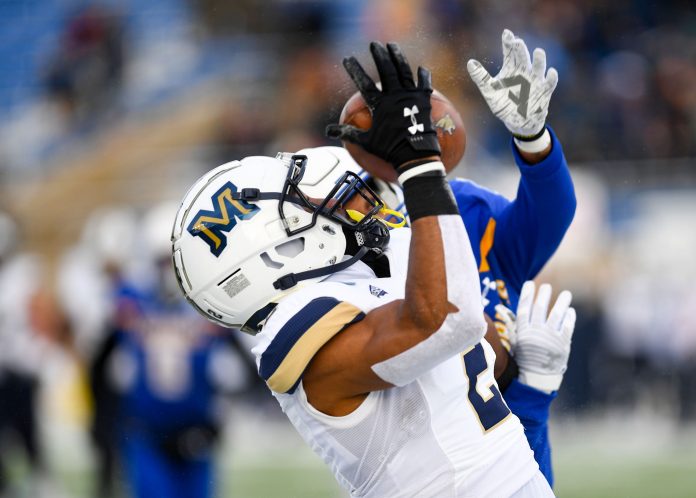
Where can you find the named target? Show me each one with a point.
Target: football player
(370, 339)
(512, 241)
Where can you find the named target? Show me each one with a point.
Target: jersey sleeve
(296, 330)
(531, 406)
(530, 228)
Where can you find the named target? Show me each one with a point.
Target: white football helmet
(157, 229)
(110, 234)
(246, 233)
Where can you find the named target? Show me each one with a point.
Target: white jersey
(21, 350)
(447, 434)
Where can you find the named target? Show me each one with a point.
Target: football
(447, 122)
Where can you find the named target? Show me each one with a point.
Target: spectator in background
(635, 59)
(89, 279)
(86, 72)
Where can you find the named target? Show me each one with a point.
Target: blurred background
(109, 110)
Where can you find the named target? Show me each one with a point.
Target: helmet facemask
(365, 233)
(333, 205)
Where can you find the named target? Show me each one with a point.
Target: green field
(644, 458)
(637, 478)
(612, 457)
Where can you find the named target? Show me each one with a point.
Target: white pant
(537, 487)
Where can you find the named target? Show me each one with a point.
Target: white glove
(543, 344)
(519, 94)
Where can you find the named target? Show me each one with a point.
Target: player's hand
(519, 94)
(543, 342)
(402, 130)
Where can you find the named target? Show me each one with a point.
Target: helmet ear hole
(269, 262)
(291, 248)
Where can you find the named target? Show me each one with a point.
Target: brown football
(447, 122)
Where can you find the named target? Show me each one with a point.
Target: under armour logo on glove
(415, 125)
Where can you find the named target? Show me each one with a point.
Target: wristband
(429, 194)
(534, 144)
(544, 382)
(431, 168)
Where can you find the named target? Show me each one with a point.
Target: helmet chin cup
(374, 236)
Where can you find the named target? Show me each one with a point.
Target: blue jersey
(169, 352)
(169, 395)
(512, 241)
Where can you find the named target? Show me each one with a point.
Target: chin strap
(374, 237)
(291, 279)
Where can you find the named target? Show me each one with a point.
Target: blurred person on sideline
(20, 354)
(377, 356)
(174, 371)
(90, 278)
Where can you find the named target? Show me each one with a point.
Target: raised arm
(441, 314)
(529, 229)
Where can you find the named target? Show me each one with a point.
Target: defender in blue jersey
(513, 240)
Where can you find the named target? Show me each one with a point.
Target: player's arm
(502, 355)
(441, 313)
(530, 228)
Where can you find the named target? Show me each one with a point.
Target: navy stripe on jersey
(295, 344)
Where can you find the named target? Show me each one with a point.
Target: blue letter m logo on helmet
(210, 225)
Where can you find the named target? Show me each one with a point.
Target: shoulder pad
(300, 325)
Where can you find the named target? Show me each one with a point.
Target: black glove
(402, 130)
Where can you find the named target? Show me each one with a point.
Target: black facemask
(374, 235)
